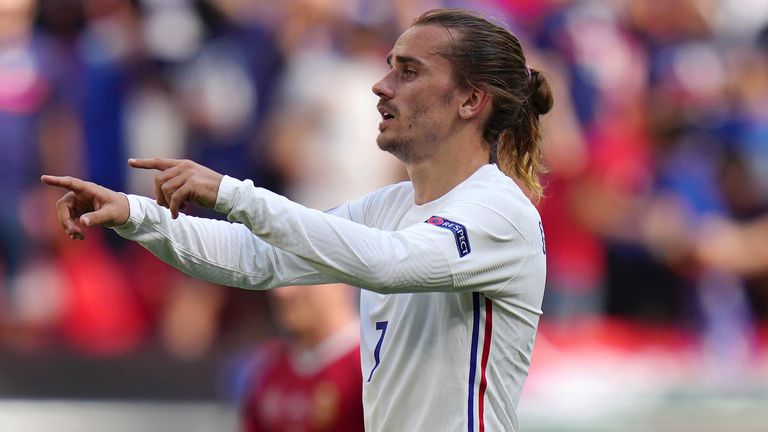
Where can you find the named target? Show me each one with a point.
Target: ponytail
(518, 150)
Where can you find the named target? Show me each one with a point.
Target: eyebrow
(403, 59)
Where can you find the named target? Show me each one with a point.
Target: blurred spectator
(734, 247)
(110, 50)
(698, 154)
(326, 148)
(224, 89)
(600, 169)
(37, 123)
(38, 131)
(202, 92)
(311, 380)
(724, 242)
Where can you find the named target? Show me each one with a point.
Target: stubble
(404, 147)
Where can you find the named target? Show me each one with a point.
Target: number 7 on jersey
(382, 326)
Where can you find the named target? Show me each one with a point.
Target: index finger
(66, 182)
(160, 164)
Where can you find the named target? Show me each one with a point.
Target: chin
(401, 148)
(388, 144)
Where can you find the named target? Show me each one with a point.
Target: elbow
(388, 276)
(373, 274)
(379, 284)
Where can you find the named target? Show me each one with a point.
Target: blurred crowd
(657, 149)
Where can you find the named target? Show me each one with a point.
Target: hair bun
(541, 95)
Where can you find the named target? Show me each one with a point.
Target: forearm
(341, 249)
(216, 251)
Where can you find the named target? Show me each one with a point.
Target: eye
(408, 74)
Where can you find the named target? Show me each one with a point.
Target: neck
(435, 176)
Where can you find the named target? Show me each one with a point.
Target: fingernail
(86, 221)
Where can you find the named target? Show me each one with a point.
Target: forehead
(421, 43)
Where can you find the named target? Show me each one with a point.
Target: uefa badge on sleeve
(459, 231)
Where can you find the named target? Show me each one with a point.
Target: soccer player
(310, 380)
(452, 262)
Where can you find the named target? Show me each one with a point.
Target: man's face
(294, 308)
(419, 99)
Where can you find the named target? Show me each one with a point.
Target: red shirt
(312, 391)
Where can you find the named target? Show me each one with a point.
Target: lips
(387, 112)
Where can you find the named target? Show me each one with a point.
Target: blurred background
(655, 209)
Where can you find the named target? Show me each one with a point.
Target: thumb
(116, 212)
(92, 218)
(102, 217)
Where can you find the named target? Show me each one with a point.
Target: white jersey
(453, 287)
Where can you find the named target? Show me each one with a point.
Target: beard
(401, 148)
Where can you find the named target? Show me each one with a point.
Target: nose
(384, 88)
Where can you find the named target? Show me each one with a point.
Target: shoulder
(492, 210)
(359, 210)
(492, 194)
(378, 207)
(393, 192)
(501, 236)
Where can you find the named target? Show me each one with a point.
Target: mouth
(386, 113)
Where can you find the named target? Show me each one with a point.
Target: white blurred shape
(38, 294)
(154, 128)
(173, 33)
(699, 69)
(741, 17)
(339, 159)
(136, 416)
(219, 89)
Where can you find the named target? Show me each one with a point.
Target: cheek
(429, 115)
(428, 104)
(418, 115)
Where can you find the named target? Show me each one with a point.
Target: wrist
(123, 210)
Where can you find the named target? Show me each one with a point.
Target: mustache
(383, 106)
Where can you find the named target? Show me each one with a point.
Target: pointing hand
(87, 204)
(180, 181)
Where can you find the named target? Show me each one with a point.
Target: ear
(475, 102)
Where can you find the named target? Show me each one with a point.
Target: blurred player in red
(311, 380)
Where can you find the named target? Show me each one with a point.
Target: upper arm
(482, 248)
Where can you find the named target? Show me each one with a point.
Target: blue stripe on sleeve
(472, 361)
